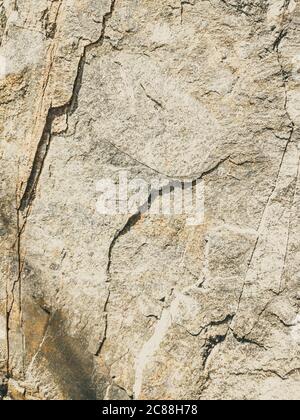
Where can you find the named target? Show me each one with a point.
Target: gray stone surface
(113, 307)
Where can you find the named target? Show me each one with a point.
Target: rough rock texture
(119, 307)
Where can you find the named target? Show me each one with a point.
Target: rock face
(138, 305)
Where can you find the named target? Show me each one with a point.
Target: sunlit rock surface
(149, 307)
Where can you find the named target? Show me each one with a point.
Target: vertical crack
(12, 294)
(135, 218)
(25, 203)
(105, 312)
(182, 4)
(276, 45)
(67, 109)
(3, 389)
(210, 345)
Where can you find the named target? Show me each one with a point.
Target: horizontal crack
(244, 340)
(154, 194)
